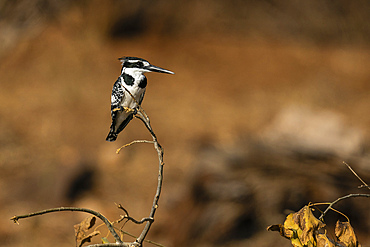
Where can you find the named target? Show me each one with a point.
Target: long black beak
(153, 68)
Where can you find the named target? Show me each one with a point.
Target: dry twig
(362, 181)
(339, 199)
(97, 214)
(141, 114)
(347, 196)
(143, 117)
(128, 217)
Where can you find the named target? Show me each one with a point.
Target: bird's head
(133, 65)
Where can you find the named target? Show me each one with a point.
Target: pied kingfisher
(123, 106)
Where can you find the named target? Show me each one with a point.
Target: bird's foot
(125, 109)
(129, 110)
(117, 109)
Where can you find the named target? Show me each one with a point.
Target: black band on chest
(143, 83)
(129, 80)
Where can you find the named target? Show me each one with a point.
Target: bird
(132, 79)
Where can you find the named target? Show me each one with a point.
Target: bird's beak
(152, 68)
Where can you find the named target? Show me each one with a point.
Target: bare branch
(138, 222)
(339, 199)
(347, 196)
(128, 217)
(362, 181)
(146, 240)
(122, 208)
(160, 152)
(141, 114)
(131, 143)
(97, 214)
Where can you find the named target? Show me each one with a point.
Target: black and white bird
(123, 106)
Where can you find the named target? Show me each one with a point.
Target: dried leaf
(309, 225)
(276, 228)
(296, 243)
(82, 228)
(287, 233)
(345, 233)
(292, 231)
(290, 227)
(302, 229)
(324, 241)
(87, 238)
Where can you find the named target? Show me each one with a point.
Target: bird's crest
(130, 59)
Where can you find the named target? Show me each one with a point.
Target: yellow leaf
(291, 228)
(275, 228)
(302, 229)
(345, 233)
(309, 225)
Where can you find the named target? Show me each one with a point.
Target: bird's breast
(136, 92)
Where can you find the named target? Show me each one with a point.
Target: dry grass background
(238, 66)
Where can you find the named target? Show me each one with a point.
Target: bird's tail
(112, 136)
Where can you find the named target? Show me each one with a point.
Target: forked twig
(160, 152)
(347, 196)
(141, 114)
(339, 199)
(331, 208)
(128, 217)
(149, 220)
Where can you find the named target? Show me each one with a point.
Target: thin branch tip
(15, 220)
(133, 142)
(364, 184)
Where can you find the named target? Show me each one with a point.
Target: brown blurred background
(268, 99)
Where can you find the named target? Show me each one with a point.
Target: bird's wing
(118, 95)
